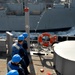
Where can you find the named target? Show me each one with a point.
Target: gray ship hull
(56, 18)
(52, 19)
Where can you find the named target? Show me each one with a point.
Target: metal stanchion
(9, 42)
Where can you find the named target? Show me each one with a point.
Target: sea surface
(70, 32)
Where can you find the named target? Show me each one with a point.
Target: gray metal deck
(42, 62)
(3, 63)
(37, 62)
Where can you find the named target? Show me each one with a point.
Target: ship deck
(43, 61)
(3, 63)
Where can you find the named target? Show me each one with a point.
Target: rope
(39, 20)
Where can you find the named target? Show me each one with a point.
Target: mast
(27, 27)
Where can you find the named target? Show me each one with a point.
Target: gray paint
(57, 17)
(63, 66)
(9, 42)
(64, 57)
(2, 45)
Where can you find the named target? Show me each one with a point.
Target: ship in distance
(44, 15)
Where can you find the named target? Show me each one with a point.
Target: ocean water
(70, 32)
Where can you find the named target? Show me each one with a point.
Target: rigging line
(40, 20)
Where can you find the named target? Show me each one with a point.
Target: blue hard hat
(13, 72)
(16, 58)
(21, 37)
(25, 35)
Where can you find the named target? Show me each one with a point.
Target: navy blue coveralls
(12, 66)
(18, 49)
(25, 46)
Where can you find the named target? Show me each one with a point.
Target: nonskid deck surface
(3, 63)
(44, 62)
(41, 60)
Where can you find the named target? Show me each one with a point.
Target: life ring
(51, 40)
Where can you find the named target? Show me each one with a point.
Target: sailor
(25, 46)
(18, 49)
(13, 64)
(17, 46)
(13, 72)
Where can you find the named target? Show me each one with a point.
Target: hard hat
(13, 72)
(16, 58)
(25, 35)
(21, 37)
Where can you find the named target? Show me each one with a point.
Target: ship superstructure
(43, 14)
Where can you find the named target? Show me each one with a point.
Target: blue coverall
(25, 46)
(12, 66)
(18, 49)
